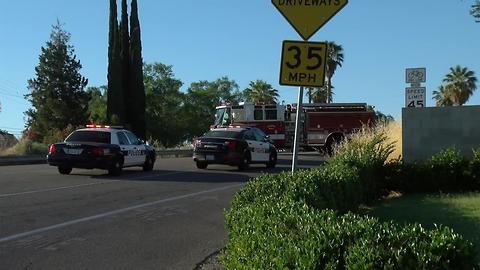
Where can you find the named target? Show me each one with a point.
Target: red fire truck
(322, 125)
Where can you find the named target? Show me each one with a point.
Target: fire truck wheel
(332, 142)
(202, 165)
(272, 161)
(244, 162)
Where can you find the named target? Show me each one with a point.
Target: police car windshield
(223, 134)
(89, 136)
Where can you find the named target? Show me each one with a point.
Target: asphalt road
(171, 218)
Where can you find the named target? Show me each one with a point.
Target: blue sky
(204, 40)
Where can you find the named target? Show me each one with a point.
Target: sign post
(303, 63)
(415, 95)
(298, 119)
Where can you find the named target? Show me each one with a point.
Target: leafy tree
(334, 60)
(261, 91)
(136, 112)
(165, 114)
(115, 95)
(475, 11)
(201, 99)
(97, 107)
(462, 83)
(57, 92)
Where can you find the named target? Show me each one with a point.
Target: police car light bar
(103, 126)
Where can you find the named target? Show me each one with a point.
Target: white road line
(53, 189)
(82, 185)
(111, 213)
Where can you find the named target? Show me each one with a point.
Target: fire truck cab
(269, 118)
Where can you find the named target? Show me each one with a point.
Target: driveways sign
(307, 16)
(303, 63)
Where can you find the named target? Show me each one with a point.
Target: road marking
(82, 185)
(111, 213)
(53, 189)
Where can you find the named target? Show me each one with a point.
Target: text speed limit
(303, 63)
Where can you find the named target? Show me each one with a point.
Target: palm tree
(475, 11)
(334, 60)
(318, 95)
(461, 84)
(443, 97)
(261, 91)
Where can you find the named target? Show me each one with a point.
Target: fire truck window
(271, 114)
(226, 117)
(258, 114)
(219, 116)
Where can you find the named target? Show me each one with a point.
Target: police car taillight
(231, 144)
(51, 150)
(97, 152)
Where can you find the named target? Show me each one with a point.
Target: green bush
(298, 221)
(337, 186)
(475, 168)
(290, 235)
(448, 171)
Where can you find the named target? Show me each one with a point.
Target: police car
(101, 147)
(236, 146)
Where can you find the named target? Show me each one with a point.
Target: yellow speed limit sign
(303, 63)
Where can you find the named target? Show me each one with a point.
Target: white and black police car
(101, 147)
(235, 146)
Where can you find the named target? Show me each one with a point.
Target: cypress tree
(115, 97)
(125, 66)
(137, 86)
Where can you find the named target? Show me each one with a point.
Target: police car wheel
(272, 160)
(244, 162)
(64, 170)
(202, 165)
(148, 165)
(116, 168)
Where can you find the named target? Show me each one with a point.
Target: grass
(461, 212)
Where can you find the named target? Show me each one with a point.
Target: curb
(41, 159)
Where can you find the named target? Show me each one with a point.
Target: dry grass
(392, 131)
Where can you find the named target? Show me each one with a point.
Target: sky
(208, 39)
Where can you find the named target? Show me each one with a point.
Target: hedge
(304, 220)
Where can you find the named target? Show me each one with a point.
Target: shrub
(337, 186)
(475, 168)
(286, 234)
(447, 171)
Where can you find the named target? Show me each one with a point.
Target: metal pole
(298, 119)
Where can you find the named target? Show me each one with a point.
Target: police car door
(138, 151)
(263, 146)
(253, 146)
(125, 147)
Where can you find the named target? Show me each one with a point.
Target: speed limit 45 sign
(415, 97)
(303, 63)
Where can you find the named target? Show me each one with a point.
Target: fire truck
(322, 124)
